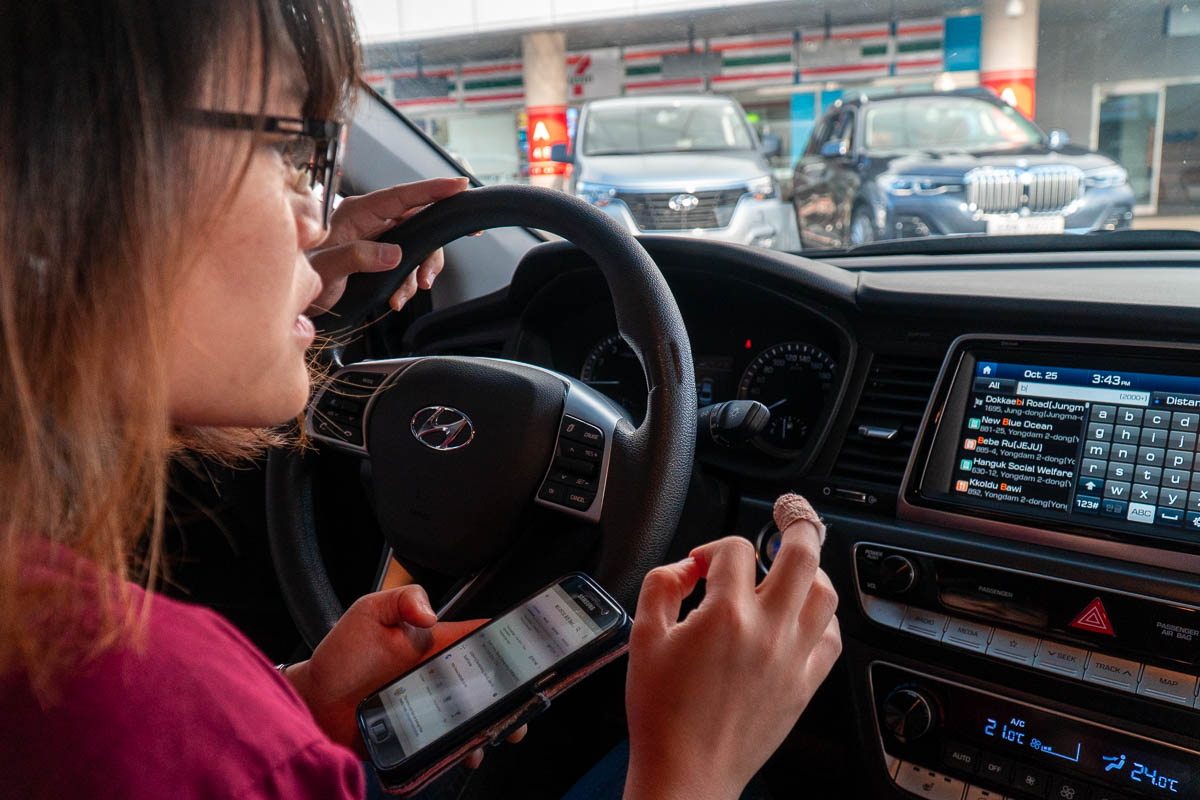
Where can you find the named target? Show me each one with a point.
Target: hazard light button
(1094, 619)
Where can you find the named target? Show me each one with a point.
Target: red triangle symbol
(1094, 618)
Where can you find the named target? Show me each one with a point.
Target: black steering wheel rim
(649, 483)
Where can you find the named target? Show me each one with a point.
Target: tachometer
(793, 380)
(613, 369)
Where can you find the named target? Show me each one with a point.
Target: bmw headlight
(1106, 177)
(906, 185)
(598, 194)
(764, 188)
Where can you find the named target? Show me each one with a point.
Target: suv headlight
(906, 185)
(598, 194)
(1106, 177)
(764, 188)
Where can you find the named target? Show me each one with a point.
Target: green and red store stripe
(920, 46)
(756, 60)
(643, 69)
(492, 83)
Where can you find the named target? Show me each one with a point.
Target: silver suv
(682, 165)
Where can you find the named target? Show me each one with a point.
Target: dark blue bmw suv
(945, 163)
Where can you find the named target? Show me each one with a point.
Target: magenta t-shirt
(199, 712)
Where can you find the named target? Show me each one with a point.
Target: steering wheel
(461, 448)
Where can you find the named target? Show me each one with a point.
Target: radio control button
(885, 612)
(1113, 672)
(929, 624)
(967, 635)
(995, 768)
(927, 783)
(1165, 684)
(1015, 647)
(1060, 659)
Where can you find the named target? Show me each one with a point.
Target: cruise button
(1061, 659)
(1013, 647)
(1165, 684)
(967, 635)
(1113, 672)
(929, 624)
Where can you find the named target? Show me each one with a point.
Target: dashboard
(1004, 448)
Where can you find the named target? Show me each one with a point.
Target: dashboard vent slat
(894, 397)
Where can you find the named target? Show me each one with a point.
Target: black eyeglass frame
(329, 139)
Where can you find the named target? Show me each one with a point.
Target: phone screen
(478, 671)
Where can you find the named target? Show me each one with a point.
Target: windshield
(819, 125)
(946, 124)
(664, 128)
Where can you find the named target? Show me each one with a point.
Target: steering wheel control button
(1115, 673)
(1061, 659)
(967, 635)
(579, 500)
(885, 612)
(929, 624)
(580, 452)
(367, 379)
(573, 481)
(928, 784)
(1015, 647)
(575, 466)
(1165, 684)
(554, 492)
(581, 432)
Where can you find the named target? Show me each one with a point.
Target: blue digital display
(1058, 743)
(1115, 379)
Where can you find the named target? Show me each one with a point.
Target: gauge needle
(776, 404)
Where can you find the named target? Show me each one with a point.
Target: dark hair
(96, 161)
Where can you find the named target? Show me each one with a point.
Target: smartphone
(490, 682)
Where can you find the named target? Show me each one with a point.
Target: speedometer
(793, 380)
(612, 368)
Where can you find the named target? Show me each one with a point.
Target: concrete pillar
(1008, 51)
(544, 54)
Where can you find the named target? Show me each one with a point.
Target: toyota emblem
(442, 428)
(683, 202)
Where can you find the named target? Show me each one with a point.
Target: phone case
(497, 733)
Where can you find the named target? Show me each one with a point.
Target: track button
(1113, 672)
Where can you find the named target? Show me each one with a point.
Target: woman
(153, 284)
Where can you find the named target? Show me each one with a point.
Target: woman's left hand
(357, 221)
(381, 636)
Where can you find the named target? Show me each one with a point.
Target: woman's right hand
(710, 698)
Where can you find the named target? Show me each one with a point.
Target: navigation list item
(1020, 449)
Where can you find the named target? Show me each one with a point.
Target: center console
(1032, 617)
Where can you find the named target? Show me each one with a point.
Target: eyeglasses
(313, 149)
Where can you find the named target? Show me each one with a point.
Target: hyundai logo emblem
(683, 202)
(442, 428)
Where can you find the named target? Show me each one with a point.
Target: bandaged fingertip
(792, 508)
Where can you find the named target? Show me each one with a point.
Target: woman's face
(238, 335)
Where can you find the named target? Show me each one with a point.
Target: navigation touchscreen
(1091, 447)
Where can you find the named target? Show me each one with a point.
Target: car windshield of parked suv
(676, 127)
(946, 123)
(814, 125)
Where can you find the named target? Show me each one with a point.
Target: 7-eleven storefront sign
(547, 127)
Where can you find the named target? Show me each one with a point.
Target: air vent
(884, 426)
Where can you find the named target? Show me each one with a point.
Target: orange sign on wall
(1016, 87)
(547, 126)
